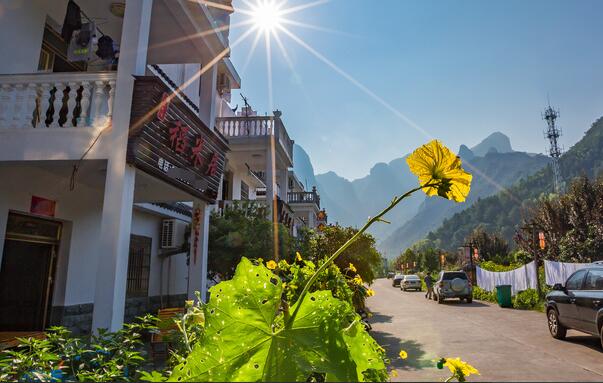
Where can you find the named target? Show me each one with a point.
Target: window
(139, 266)
(594, 280)
(575, 281)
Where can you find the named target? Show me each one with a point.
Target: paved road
(503, 344)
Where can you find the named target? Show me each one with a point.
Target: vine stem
(332, 258)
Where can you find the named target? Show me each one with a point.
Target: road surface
(503, 344)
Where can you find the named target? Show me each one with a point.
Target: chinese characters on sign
(180, 144)
(196, 223)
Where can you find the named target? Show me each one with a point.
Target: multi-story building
(259, 169)
(108, 152)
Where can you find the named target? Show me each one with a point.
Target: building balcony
(247, 132)
(306, 198)
(56, 100)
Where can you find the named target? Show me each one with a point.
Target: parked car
(397, 279)
(390, 275)
(578, 304)
(410, 282)
(453, 284)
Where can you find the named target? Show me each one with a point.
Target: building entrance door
(27, 272)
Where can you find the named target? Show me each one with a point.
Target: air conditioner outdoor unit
(172, 233)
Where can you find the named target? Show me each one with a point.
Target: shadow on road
(585, 340)
(416, 355)
(380, 318)
(458, 303)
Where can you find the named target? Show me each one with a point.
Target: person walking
(429, 284)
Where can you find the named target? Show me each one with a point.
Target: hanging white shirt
(520, 279)
(558, 272)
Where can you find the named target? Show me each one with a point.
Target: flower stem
(350, 241)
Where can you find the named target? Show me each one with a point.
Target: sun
(267, 15)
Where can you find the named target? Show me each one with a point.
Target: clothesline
(520, 279)
(558, 272)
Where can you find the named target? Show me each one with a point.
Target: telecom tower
(552, 134)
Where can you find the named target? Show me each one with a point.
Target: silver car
(410, 282)
(453, 284)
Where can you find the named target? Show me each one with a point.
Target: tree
(244, 230)
(571, 223)
(362, 253)
(491, 246)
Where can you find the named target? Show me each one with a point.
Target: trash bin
(503, 295)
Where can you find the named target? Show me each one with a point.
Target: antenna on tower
(552, 133)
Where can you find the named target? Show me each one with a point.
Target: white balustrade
(56, 100)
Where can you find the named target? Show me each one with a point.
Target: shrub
(483, 295)
(527, 300)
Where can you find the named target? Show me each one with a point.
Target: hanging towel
(72, 22)
(520, 279)
(558, 272)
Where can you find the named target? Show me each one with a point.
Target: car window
(411, 277)
(594, 280)
(451, 276)
(575, 281)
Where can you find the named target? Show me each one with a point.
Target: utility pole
(552, 133)
(532, 228)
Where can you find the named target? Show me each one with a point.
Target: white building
(259, 168)
(96, 154)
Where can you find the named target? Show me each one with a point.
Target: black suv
(577, 305)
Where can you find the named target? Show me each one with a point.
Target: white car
(410, 282)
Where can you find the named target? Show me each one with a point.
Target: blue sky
(459, 69)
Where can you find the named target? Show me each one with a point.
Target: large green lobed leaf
(246, 339)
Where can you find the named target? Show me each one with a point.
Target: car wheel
(558, 331)
(469, 299)
(440, 299)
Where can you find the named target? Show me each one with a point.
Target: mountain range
(503, 212)
(350, 203)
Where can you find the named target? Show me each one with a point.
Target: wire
(76, 167)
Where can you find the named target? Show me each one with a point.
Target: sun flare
(267, 15)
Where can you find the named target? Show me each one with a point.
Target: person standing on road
(429, 284)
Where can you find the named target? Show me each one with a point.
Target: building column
(116, 220)
(284, 176)
(207, 101)
(3, 222)
(197, 266)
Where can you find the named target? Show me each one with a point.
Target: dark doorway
(27, 272)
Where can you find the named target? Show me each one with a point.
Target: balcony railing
(304, 197)
(256, 126)
(56, 100)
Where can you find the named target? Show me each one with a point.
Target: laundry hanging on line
(558, 272)
(520, 279)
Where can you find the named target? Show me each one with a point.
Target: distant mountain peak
(497, 142)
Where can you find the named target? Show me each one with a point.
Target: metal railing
(304, 197)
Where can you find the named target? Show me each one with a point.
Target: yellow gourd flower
(435, 163)
(370, 292)
(298, 256)
(357, 280)
(189, 303)
(394, 373)
(403, 354)
(352, 268)
(460, 368)
(271, 265)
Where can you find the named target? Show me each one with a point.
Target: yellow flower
(460, 368)
(357, 280)
(298, 256)
(271, 265)
(433, 162)
(370, 292)
(189, 303)
(403, 354)
(352, 268)
(394, 373)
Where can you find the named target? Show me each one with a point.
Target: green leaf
(363, 349)
(245, 338)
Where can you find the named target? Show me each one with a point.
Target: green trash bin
(503, 295)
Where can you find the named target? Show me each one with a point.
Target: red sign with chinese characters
(168, 140)
(42, 206)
